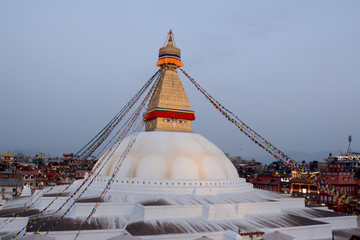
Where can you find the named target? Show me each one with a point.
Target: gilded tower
(170, 108)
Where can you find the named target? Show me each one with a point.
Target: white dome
(169, 156)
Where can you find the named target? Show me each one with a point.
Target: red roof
(266, 180)
(29, 172)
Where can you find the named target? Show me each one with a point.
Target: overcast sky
(289, 69)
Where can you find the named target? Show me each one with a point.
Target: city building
(274, 183)
(66, 169)
(41, 159)
(301, 187)
(29, 173)
(10, 185)
(267, 182)
(343, 180)
(7, 157)
(247, 169)
(350, 161)
(20, 157)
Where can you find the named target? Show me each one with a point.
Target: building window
(181, 121)
(168, 120)
(31, 177)
(26, 177)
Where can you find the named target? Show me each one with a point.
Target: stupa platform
(184, 216)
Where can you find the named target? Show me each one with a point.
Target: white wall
(258, 208)
(85, 234)
(196, 187)
(320, 231)
(340, 222)
(45, 201)
(104, 209)
(13, 226)
(221, 211)
(173, 211)
(187, 236)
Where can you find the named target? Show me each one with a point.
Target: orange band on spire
(169, 60)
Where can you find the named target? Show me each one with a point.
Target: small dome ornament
(169, 54)
(26, 191)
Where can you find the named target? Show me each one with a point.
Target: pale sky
(289, 69)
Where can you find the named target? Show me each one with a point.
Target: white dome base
(195, 187)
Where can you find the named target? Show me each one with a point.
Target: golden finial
(169, 53)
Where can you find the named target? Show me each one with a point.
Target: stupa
(174, 184)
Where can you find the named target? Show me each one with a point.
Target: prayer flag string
(86, 180)
(154, 90)
(321, 183)
(105, 132)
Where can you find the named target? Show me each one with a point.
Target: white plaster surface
(85, 234)
(170, 155)
(221, 211)
(340, 222)
(307, 232)
(14, 225)
(45, 201)
(104, 209)
(164, 212)
(258, 208)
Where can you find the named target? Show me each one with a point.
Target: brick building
(341, 180)
(300, 187)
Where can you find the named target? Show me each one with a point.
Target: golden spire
(170, 108)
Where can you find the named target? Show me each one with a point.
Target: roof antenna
(349, 147)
